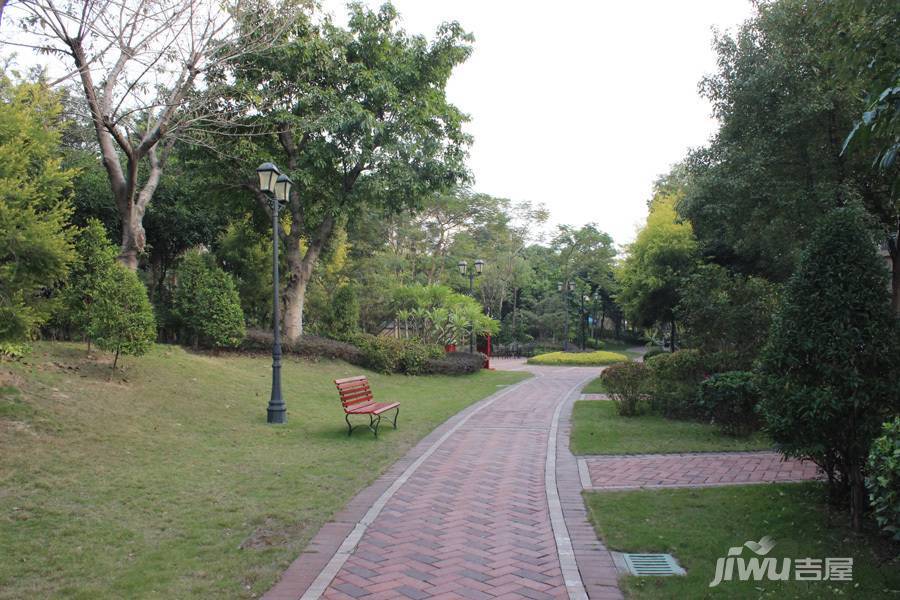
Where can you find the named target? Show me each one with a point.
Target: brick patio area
(691, 470)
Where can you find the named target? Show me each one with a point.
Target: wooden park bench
(356, 398)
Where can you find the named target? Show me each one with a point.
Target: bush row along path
(487, 506)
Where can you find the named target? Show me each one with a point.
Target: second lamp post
(479, 267)
(565, 288)
(278, 188)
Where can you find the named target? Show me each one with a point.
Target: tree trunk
(894, 248)
(673, 335)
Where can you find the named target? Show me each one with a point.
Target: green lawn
(166, 482)
(699, 525)
(597, 429)
(595, 386)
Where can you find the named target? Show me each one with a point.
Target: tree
(206, 303)
(726, 312)
(789, 86)
(95, 257)
(662, 255)
(357, 117)
(829, 372)
(121, 318)
(35, 238)
(139, 63)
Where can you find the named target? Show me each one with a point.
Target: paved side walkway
(476, 515)
(692, 470)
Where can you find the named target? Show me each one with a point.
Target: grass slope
(597, 429)
(166, 482)
(699, 525)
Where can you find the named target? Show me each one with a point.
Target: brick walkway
(474, 519)
(692, 470)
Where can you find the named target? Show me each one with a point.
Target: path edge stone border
(300, 578)
(598, 571)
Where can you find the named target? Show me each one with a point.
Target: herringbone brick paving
(701, 469)
(472, 521)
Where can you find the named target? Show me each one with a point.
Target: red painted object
(450, 348)
(357, 399)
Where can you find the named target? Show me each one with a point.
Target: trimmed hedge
(395, 355)
(730, 399)
(309, 346)
(455, 363)
(583, 359)
(675, 381)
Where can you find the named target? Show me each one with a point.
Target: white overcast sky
(580, 104)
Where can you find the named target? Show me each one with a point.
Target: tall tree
(35, 238)
(357, 117)
(789, 85)
(662, 255)
(138, 63)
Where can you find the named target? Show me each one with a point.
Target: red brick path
(689, 470)
(472, 521)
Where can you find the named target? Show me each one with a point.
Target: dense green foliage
(35, 238)
(829, 372)
(205, 303)
(663, 253)
(730, 400)
(626, 385)
(121, 317)
(883, 478)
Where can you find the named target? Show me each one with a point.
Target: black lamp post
(278, 188)
(565, 288)
(583, 322)
(479, 267)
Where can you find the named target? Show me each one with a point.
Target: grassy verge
(698, 526)
(596, 358)
(166, 482)
(597, 429)
(595, 386)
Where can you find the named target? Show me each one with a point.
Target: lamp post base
(276, 414)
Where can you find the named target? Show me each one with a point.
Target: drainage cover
(651, 565)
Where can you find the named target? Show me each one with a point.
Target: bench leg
(349, 426)
(396, 414)
(374, 422)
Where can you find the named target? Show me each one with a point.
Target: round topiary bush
(626, 385)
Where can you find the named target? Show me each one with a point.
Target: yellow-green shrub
(578, 359)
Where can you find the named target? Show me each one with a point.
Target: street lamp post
(463, 267)
(278, 188)
(583, 322)
(565, 288)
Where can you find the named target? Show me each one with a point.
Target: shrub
(455, 363)
(206, 304)
(394, 355)
(883, 479)
(674, 378)
(308, 346)
(829, 372)
(583, 359)
(654, 351)
(95, 257)
(626, 385)
(342, 320)
(121, 318)
(730, 399)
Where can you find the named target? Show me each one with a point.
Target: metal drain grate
(652, 565)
